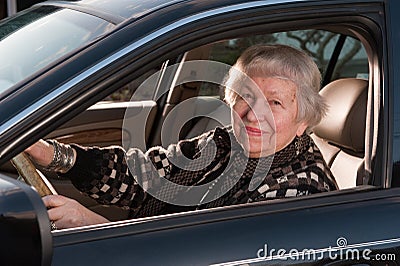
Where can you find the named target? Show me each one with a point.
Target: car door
(329, 228)
(320, 228)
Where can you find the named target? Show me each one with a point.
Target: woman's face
(261, 129)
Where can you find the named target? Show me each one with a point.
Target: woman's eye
(247, 96)
(274, 102)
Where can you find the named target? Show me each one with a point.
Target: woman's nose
(251, 115)
(258, 111)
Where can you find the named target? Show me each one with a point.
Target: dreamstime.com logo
(342, 251)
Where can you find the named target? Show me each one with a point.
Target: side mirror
(24, 225)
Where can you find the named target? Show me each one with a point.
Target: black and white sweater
(212, 170)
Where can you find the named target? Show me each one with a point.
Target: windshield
(34, 39)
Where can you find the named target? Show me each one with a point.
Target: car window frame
(320, 26)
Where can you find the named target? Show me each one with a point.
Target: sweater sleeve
(112, 176)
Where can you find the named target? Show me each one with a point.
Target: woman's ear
(302, 127)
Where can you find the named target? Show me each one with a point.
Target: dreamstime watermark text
(342, 251)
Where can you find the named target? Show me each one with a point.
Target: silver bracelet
(56, 156)
(63, 158)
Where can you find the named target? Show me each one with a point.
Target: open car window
(336, 62)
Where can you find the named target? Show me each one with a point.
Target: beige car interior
(341, 134)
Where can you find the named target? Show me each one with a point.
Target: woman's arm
(112, 176)
(42, 152)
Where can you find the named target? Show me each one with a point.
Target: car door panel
(231, 235)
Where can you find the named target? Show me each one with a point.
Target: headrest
(344, 123)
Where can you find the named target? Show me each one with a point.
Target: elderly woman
(266, 154)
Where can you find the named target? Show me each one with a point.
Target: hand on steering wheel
(31, 175)
(64, 211)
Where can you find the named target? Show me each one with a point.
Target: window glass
(34, 39)
(126, 93)
(320, 44)
(146, 87)
(353, 61)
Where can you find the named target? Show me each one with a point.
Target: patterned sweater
(210, 170)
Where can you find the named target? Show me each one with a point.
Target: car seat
(218, 115)
(341, 133)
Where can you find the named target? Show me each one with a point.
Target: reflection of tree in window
(228, 51)
(320, 45)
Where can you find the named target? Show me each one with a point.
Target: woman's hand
(66, 212)
(42, 152)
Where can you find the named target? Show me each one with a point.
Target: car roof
(119, 10)
(122, 10)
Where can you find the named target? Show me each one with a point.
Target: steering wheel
(27, 170)
(31, 175)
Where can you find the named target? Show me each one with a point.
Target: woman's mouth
(252, 131)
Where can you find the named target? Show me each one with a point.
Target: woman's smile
(252, 131)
